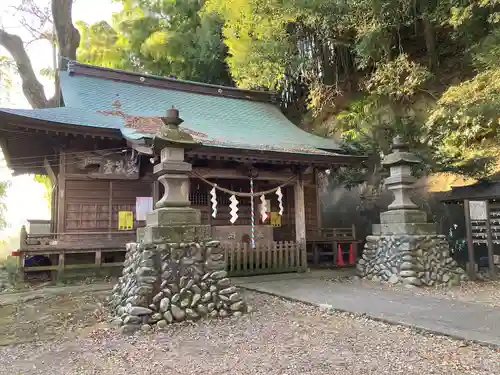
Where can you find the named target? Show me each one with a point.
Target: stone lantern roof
(169, 132)
(400, 154)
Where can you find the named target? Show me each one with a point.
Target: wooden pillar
(300, 219)
(470, 243)
(110, 209)
(319, 219)
(491, 261)
(61, 196)
(53, 194)
(98, 258)
(53, 208)
(61, 265)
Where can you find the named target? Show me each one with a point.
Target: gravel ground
(485, 292)
(42, 316)
(278, 337)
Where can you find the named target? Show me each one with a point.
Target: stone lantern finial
(398, 143)
(170, 134)
(172, 119)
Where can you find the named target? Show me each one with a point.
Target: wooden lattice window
(81, 216)
(198, 197)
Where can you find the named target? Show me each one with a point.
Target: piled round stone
(409, 259)
(211, 295)
(173, 282)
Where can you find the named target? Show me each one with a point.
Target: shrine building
(97, 149)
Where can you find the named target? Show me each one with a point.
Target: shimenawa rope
(241, 194)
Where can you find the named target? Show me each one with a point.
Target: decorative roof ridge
(78, 68)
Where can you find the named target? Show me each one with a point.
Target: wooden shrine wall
(312, 208)
(93, 187)
(90, 196)
(93, 205)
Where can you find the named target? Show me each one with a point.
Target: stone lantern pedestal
(174, 272)
(404, 247)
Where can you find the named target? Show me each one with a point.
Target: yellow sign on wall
(125, 220)
(275, 219)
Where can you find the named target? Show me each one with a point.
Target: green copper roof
(135, 108)
(69, 116)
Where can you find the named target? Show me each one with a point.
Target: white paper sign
(477, 210)
(143, 205)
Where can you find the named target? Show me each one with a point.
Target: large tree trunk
(32, 88)
(430, 42)
(68, 39)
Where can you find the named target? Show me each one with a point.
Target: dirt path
(25, 296)
(50, 312)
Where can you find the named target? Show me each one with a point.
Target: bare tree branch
(39, 21)
(66, 36)
(32, 88)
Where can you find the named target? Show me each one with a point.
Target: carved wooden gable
(111, 166)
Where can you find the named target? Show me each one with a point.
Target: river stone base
(173, 282)
(413, 260)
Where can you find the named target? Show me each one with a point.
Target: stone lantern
(173, 219)
(404, 247)
(403, 216)
(174, 272)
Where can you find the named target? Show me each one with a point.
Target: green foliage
(45, 181)
(464, 124)
(465, 121)
(48, 72)
(486, 54)
(12, 268)
(397, 80)
(9, 244)
(256, 34)
(166, 38)
(3, 193)
(101, 45)
(6, 70)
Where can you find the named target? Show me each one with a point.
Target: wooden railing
(265, 258)
(331, 234)
(54, 247)
(74, 240)
(332, 247)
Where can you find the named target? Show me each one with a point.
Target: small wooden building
(481, 204)
(96, 149)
